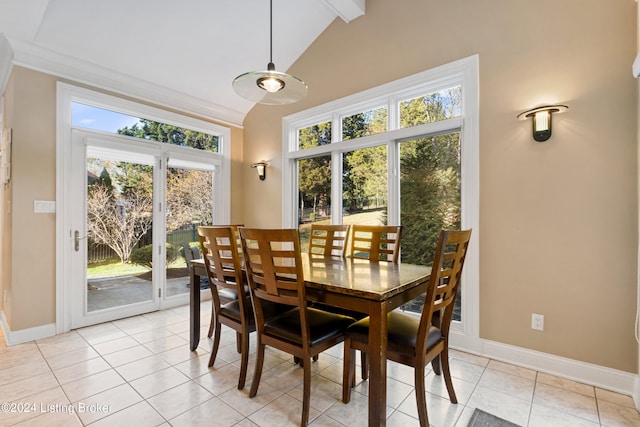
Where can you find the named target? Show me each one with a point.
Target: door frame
(66, 94)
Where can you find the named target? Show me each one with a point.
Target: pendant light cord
(271, 31)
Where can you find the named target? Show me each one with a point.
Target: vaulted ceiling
(185, 53)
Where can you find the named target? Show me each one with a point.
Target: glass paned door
(189, 199)
(113, 248)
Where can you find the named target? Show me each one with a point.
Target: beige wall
(558, 220)
(29, 249)
(29, 253)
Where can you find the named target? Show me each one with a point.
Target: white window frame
(463, 72)
(67, 94)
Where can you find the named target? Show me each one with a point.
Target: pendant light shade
(270, 87)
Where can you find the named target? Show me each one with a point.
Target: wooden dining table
(374, 288)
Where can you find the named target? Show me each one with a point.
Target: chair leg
(244, 352)
(444, 358)
(436, 365)
(421, 399)
(348, 371)
(238, 342)
(306, 396)
(364, 361)
(213, 320)
(258, 372)
(216, 343)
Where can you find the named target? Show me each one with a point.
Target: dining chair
(376, 242)
(328, 240)
(417, 341)
(226, 294)
(274, 271)
(224, 270)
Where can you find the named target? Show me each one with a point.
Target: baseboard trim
(599, 376)
(25, 335)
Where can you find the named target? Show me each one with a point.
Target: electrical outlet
(537, 322)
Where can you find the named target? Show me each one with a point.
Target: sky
(99, 119)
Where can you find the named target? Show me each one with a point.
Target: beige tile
(17, 390)
(541, 416)
(613, 397)
(39, 404)
(352, 414)
(612, 415)
(566, 384)
(468, 357)
(127, 355)
(212, 412)
(139, 415)
(435, 385)
(514, 385)
(283, 411)
(193, 368)
(52, 419)
(106, 403)
(512, 369)
(118, 344)
(439, 410)
(325, 393)
(167, 343)
(61, 344)
(23, 371)
(91, 385)
(71, 358)
(102, 332)
(239, 399)
(180, 399)
(141, 367)
(178, 355)
(218, 381)
(159, 382)
(566, 401)
(81, 370)
(500, 404)
(11, 359)
(152, 335)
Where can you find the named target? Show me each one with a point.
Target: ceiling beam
(348, 10)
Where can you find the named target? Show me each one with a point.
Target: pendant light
(270, 87)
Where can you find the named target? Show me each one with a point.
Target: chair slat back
(328, 240)
(376, 242)
(273, 265)
(221, 257)
(444, 282)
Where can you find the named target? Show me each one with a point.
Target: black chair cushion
(322, 326)
(402, 331)
(231, 310)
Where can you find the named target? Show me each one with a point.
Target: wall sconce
(261, 168)
(542, 120)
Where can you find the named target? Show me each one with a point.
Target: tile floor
(139, 371)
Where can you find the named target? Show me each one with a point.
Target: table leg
(194, 304)
(378, 364)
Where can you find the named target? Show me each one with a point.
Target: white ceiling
(183, 53)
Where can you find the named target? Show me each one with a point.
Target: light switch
(44, 206)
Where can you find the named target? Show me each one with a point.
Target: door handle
(77, 238)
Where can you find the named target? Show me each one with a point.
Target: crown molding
(6, 60)
(31, 56)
